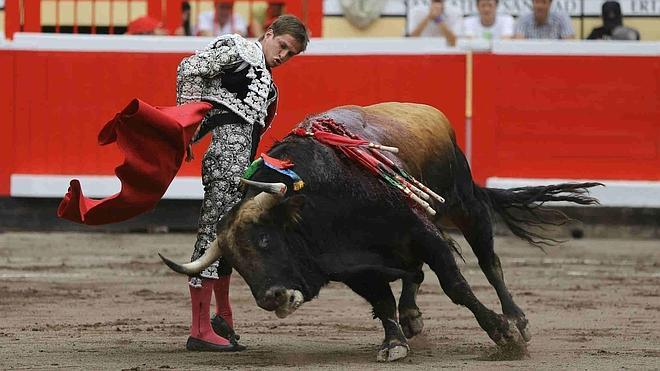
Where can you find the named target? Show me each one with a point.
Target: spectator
(488, 24)
(184, 29)
(222, 21)
(146, 26)
(435, 20)
(543, 23)
(613, 28)
(275, 9)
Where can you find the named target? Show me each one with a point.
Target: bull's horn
(211, 254)
(272, 192)
(274, 188)
(266, 200)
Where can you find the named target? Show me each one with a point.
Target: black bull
(347, 225)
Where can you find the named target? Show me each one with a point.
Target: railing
(113, 16)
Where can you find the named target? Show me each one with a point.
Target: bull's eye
(263, 241)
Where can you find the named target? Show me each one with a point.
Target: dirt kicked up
(105, 301)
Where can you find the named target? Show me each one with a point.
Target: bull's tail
(523, 211)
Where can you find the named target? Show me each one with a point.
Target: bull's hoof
(392, 352)
(411, 322)
(507, 354)
(511, 343)
(510, 352)
(522, 326)
(526, 334)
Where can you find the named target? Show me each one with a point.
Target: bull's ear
(288, 212)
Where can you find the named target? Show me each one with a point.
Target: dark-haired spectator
(435, 20)
(544, 23)
(613, 28)
(185, 28)
(488, 24)
(221, 21)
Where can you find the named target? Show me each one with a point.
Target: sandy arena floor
(105, 301)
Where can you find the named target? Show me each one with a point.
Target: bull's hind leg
(438, 255)
(478, 231)
(379, 294)
(410, 317)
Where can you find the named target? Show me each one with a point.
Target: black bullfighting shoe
(198, 345)
(222, 328)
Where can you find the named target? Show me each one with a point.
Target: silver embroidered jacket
(231, 71)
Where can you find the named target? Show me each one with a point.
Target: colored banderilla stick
(381, 169)
(407, 176)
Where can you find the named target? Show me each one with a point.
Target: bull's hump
(417, 119)
(421, 132)
(408, 118)
(351, 116)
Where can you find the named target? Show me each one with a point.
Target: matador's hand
(189, 153)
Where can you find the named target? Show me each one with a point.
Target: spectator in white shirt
(222, 21)
(435, 20)
(488, 24)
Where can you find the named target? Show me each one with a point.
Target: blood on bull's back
(423, 134)
(420, 131)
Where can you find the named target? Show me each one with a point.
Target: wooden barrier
(61, 99)
(572, 117)
(533, 116)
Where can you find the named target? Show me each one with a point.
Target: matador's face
(279, 49)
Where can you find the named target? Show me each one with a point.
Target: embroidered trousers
(231, 150)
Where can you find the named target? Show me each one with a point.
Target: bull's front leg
(410, 317)
(438, 255)
(379, 294)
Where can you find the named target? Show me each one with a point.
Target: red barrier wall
(62, 99)
(575, 117)
(312, 84)
(594, 117)
(6, 120)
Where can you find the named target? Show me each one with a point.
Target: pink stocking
(201, 317)
(222, 305)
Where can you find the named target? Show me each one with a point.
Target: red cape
(153, 141)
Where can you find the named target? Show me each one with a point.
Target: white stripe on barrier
(182, 44)
(616, 193)
(335, 46)
(96, 186)
(576, 47)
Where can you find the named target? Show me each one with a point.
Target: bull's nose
(273, 298)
